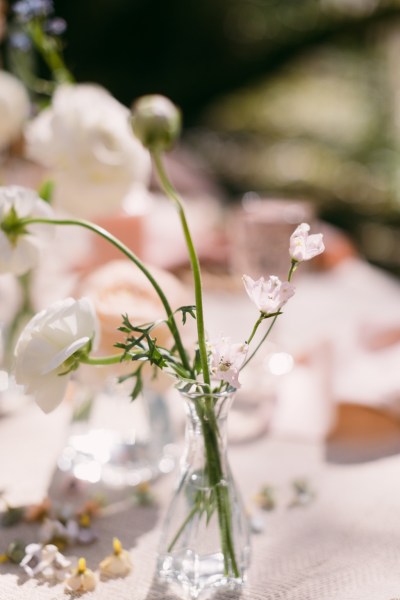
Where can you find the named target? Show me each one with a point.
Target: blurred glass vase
(119, 443)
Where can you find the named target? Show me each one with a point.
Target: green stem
(104, 360)
(129, 254)
(172, 194)
(48, 49)
(257, 324)
(190, 516)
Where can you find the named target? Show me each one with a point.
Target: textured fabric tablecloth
(345, 545)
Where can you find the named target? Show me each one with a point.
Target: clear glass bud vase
(205, 537)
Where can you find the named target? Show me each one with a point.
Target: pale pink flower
(304, 246)
(226, 360)
(269, 296)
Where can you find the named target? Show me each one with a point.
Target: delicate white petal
(21, 254)
(304, 246)
(269, 296)
(48, 340)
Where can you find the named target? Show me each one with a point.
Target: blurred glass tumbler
(260, 234)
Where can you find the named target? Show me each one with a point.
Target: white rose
(51, 338)
(14, 108)
(19, 253)
(85, 140)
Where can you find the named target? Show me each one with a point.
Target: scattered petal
(117, 564)
(82, 579)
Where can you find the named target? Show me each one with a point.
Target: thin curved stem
(173, 195)
(129, 254)
(104, 360)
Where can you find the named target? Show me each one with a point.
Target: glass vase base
(197, 576)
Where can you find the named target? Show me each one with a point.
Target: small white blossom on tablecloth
(50, 347)
(82, 579)
(117, 564)
(20, 247)
(226, 360)
(46, 561)
(268, 295)
(304, 246)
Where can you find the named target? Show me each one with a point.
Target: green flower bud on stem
(156, 122)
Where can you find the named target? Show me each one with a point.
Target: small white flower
(20, 252)
(117, 564)
(51, 338)
(304, 246)
(226, 360)
(85, 140)
(82, 579)
(14, 108)
(269, 296)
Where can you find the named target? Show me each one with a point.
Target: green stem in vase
(173, 195)
(129, 254)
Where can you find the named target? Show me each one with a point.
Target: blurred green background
(293, 98)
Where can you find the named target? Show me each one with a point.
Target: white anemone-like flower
(14, 108)
(304, 246)
(85, 140)
(226, 360)
(269, 296)
(44, 354)
(19, 252)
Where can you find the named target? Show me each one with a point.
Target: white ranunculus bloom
(226, 360)
(85, 140)
(269, 296)
(47, 342)
(304, 246)
(18, 254)
(14, 108)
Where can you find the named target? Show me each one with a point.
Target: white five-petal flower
(226, 360)
(49, 339)
(304, 246)
(20, 252)
(269, 296)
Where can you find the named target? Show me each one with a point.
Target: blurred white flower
(86, 142)
(46, 561)
(45, 353)
(82, 579)
(14, 108)
(226, 360)
(269, 296)
(304, 246)
(117, 564)
(20, 251)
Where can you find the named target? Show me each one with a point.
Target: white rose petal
(269, 296)
(304, 246)
(14, 108)
(85, 139)
(20, 255)
(47, 341)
